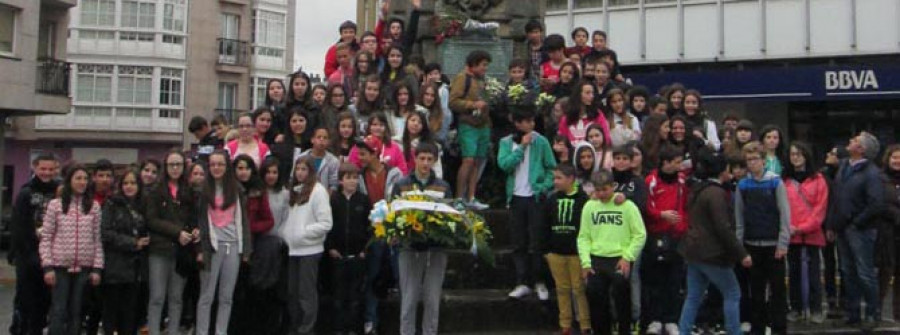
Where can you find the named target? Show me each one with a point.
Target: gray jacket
(328, 170)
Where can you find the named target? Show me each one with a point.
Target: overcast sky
(316, 30)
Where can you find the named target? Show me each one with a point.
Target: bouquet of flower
(420, 218)
(447, 22)
(545, 100)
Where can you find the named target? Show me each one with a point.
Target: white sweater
(308, 224)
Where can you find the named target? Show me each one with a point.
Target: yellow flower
(417, 226)
(410, 218)
(478, 226)
(389, 217)
(379, 230)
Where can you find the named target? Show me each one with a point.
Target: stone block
(452, 54)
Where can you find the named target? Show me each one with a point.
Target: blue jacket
(858, 196)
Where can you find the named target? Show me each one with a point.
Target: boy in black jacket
(346, 245)
(564, 217)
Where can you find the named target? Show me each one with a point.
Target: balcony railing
(230, 114)
(52, 77)
(234, 52)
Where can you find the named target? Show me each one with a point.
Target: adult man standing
(858, 198)
(32, 299)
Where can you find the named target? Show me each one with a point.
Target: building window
(170, 86)
(169, 113)
(96, 35)
(135, 36)
(135, 84)
(227, 96)
(137, 14)
(173, 15)
(553, 5)
(259, 91)
(173, 39)
(588, 3)
(269, 52)
(98, 13)
(94, 83)
(92, 116)
(270, 29)
(7, 28)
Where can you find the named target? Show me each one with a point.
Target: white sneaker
(542, 292)
(369, 328)
(520, 292)
(671, 329)
(745, 327)
(478, 205)
(654, 328)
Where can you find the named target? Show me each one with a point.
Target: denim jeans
(65, 311)
(699, 276)
(813, 278)
(857, 256)
(374, 259)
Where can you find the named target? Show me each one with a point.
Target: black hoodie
(633, 187)
(564, 217)
(27, 217)
(350, 231)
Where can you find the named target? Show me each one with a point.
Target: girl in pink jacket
(581, 114)
(71, 251)
(807, 193)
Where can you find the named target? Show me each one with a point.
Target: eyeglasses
(175, 164)
(217, 164)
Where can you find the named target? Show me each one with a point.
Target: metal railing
(52, 77)
(230, 114)
(233, 52)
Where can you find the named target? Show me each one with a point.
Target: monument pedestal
(452, 54)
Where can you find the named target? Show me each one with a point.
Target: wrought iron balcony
(52, 77)
(233, 52)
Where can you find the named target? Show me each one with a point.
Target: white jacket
(308, 224)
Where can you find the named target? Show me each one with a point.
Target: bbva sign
(851, 80)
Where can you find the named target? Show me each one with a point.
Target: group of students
(636, 195)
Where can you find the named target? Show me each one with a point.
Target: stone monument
(503, 37)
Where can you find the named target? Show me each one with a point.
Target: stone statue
(474, 9)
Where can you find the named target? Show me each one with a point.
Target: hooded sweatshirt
(582, 174)
(762, 212)
(308, 224)
(633, 187)
(564, 217)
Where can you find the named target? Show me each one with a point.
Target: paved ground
(7, 290)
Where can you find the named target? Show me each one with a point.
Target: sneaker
(655, 328)
(520, 292)
(542, 292)
(817, 318)
(369, 328)
(671, 329)
(478, 205)
(745, 327)
(794, 316)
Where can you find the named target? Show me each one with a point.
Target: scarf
(668, 178)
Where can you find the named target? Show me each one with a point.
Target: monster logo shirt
(563, 217)
(608, 230)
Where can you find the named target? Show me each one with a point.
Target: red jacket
(664, 196)
(71, 240)
(331, 63)
(809, 203)
(258, 212)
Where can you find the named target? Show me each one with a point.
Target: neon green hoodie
(608, 230)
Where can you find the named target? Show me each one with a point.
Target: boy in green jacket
(528, 160)
(610, 238)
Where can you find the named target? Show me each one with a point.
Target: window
(170, 86)
(138, 14)
(96, 35)
(47, 40)
(269, 52)
(588, 3)
(98, 13)
(270, 29)
(133, 113)
(557, 5)
(92, 116)
(173, 15)
(173, 39)
(135, 36)
(169, 113)
(227, 95)
(230, 24)
(135, 84)
(259, 91)
(94, 83)
(7, 28)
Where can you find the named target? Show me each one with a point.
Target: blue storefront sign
(795, 83)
